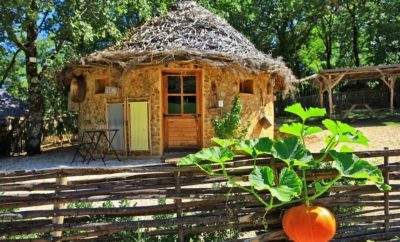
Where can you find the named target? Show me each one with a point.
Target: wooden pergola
(329, 78)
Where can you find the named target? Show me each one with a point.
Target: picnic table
(359, 106)
(89, 145)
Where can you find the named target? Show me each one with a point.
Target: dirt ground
(383, 135)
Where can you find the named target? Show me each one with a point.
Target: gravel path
(61, 158)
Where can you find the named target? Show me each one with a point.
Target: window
(100, 86)
(181, 94)
(246, 87)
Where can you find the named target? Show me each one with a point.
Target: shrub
(229, 125)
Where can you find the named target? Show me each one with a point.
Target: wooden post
(386, 193)
(60, 181)
(321, 95)
(392, 82)
(331, 111)
(178, 204)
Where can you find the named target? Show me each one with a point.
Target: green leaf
(343, 132)
(224, 142)
(215, 154)
(346, 149)
(262, 178)
(351, 166)
(288, 177)
(292, 152)
(290, 184)
(207, 168)
(188, 160)
(305, 114)
(297, 128)
(255, 147)
(318, 187)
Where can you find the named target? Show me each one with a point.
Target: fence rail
(195, 203)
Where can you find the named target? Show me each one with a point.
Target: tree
(69, 29)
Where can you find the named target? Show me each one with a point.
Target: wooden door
(115, 120)
(139, 126)
(182, 111)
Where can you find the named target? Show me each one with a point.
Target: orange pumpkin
(309, 224)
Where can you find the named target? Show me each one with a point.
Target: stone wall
(139, 84)
(219, 83)
(223, 84)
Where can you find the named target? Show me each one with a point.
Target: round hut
(162, 86)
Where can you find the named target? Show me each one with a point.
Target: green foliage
(229, 125)
(309, 35)
(299, 129)
(351, 166)
(289, 186)
(292, 152)
(344, 133)
(224, 142)
(305, 114)
(65, 30)
(215, 154)
(255, 147)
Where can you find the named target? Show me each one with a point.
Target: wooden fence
(195, 203)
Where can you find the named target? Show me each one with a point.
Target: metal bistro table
(88, 148)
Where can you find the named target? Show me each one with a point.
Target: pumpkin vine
(288, 184)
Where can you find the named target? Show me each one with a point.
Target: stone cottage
(164, 84)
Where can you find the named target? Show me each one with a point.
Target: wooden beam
(321, 94)
(324, 82)
(330, 99)
(391, 82)
(337, 80)
(383, 78)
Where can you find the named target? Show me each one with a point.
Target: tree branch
(51, 57)
(13, 38)
(40, 28)
(10, 66)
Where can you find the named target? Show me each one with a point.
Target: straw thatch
(190, 32)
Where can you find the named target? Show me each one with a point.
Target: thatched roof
(190, 32)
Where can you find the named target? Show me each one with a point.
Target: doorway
(182, 111)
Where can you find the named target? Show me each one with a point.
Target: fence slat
(60, 181)
(178, 204)
(386, 193)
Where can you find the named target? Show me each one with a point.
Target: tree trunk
(328, 51)
(35, 98)
(356, 52)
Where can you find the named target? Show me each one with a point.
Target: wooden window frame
(182, 95)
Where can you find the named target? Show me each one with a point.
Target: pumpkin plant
(286, 180)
